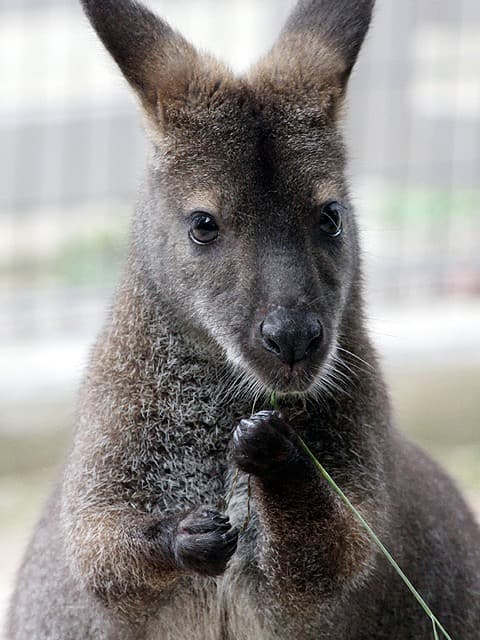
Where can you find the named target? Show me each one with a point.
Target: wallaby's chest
(189, 466)
(181, 456)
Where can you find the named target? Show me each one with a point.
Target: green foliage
(426, 204)
(92, 259)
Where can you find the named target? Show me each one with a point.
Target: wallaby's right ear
(150, 54)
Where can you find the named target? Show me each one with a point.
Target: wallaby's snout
(292, 335)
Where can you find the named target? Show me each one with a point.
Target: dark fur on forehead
(254, 152)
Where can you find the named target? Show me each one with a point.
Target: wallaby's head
(246, 230)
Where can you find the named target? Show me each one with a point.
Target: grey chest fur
(183, 439)
(187, 464)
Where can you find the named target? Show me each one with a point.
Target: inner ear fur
(316, 51)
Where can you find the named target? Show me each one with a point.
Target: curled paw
(205, 542)
(264, 443)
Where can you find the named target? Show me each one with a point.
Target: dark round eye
(203, 228)
(330, 221)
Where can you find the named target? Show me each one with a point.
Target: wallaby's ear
(154, 58)
(317, 49)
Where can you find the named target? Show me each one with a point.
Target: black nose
(291, 334)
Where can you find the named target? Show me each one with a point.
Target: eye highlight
(203, 228)
(331, 218)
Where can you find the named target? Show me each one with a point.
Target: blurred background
(71, 156)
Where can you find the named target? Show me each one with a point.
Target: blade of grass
(273, 400)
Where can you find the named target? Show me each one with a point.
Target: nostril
(268, 331)
(316, 338)
(314, 345)
(272, 346)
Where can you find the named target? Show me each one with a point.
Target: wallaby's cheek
(215, 289)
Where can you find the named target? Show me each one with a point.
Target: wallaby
(184, 511)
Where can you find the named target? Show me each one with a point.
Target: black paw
(205, 542)
(264, 443)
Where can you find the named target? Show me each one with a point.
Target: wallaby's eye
(203, 228)
(330, 221)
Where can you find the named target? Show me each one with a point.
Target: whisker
(342, 363)
(354, 355)
(340, 373)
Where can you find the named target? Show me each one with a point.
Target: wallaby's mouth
(296, 379)
(300, 378)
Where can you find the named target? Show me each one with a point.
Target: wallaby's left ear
(317, 49)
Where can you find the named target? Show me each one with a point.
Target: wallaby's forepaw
(264, 443)
(205, 542)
